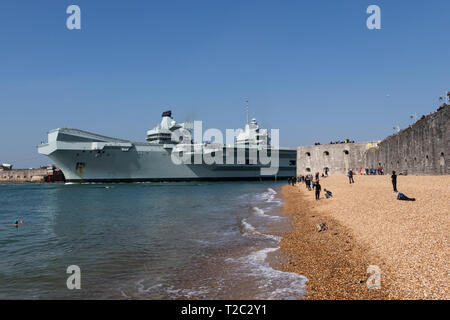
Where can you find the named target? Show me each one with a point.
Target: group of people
(400, 196)
(340, 142)
(312, 183)
(336, 142)
(373, 171)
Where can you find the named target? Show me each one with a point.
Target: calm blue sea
(144, 241)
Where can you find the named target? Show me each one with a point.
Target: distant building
(43, 174)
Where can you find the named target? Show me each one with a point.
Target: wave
(276, 284)
(269, 196)
(249, 230)
(261, 213)
(170, 290)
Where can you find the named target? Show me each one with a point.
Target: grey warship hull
(87, 157)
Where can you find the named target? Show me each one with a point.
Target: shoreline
(363, 232)
(333, 261)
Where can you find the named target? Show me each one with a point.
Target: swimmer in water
(17, 222)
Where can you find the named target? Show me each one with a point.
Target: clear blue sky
(310, 68)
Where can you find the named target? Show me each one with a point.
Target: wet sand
(408, 241)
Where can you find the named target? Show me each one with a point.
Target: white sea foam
(187, 293)
(249, 230)
(276, 284)
(170, 290)
(141, 287)
(261, 213)
(269, 197)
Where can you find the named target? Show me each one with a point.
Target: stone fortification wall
(421, 149)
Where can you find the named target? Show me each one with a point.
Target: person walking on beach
(350, 176)
(318, 188)
(308, 183)
(394, 181)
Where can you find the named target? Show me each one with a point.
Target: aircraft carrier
(86, 157)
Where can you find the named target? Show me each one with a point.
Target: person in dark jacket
(394, 181)
(308, 183)
(401, 196)
(350, 176)
(318, 188)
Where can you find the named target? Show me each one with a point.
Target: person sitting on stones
(401, 196)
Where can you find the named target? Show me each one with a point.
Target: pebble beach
(368, 226)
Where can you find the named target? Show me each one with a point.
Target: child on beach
(328, 193)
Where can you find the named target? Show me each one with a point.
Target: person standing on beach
(394, 181)
(318, 188)
(308, 183)
(350, 176)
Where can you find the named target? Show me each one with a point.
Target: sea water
(144, 241)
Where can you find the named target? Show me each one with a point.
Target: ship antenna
(247, 109)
